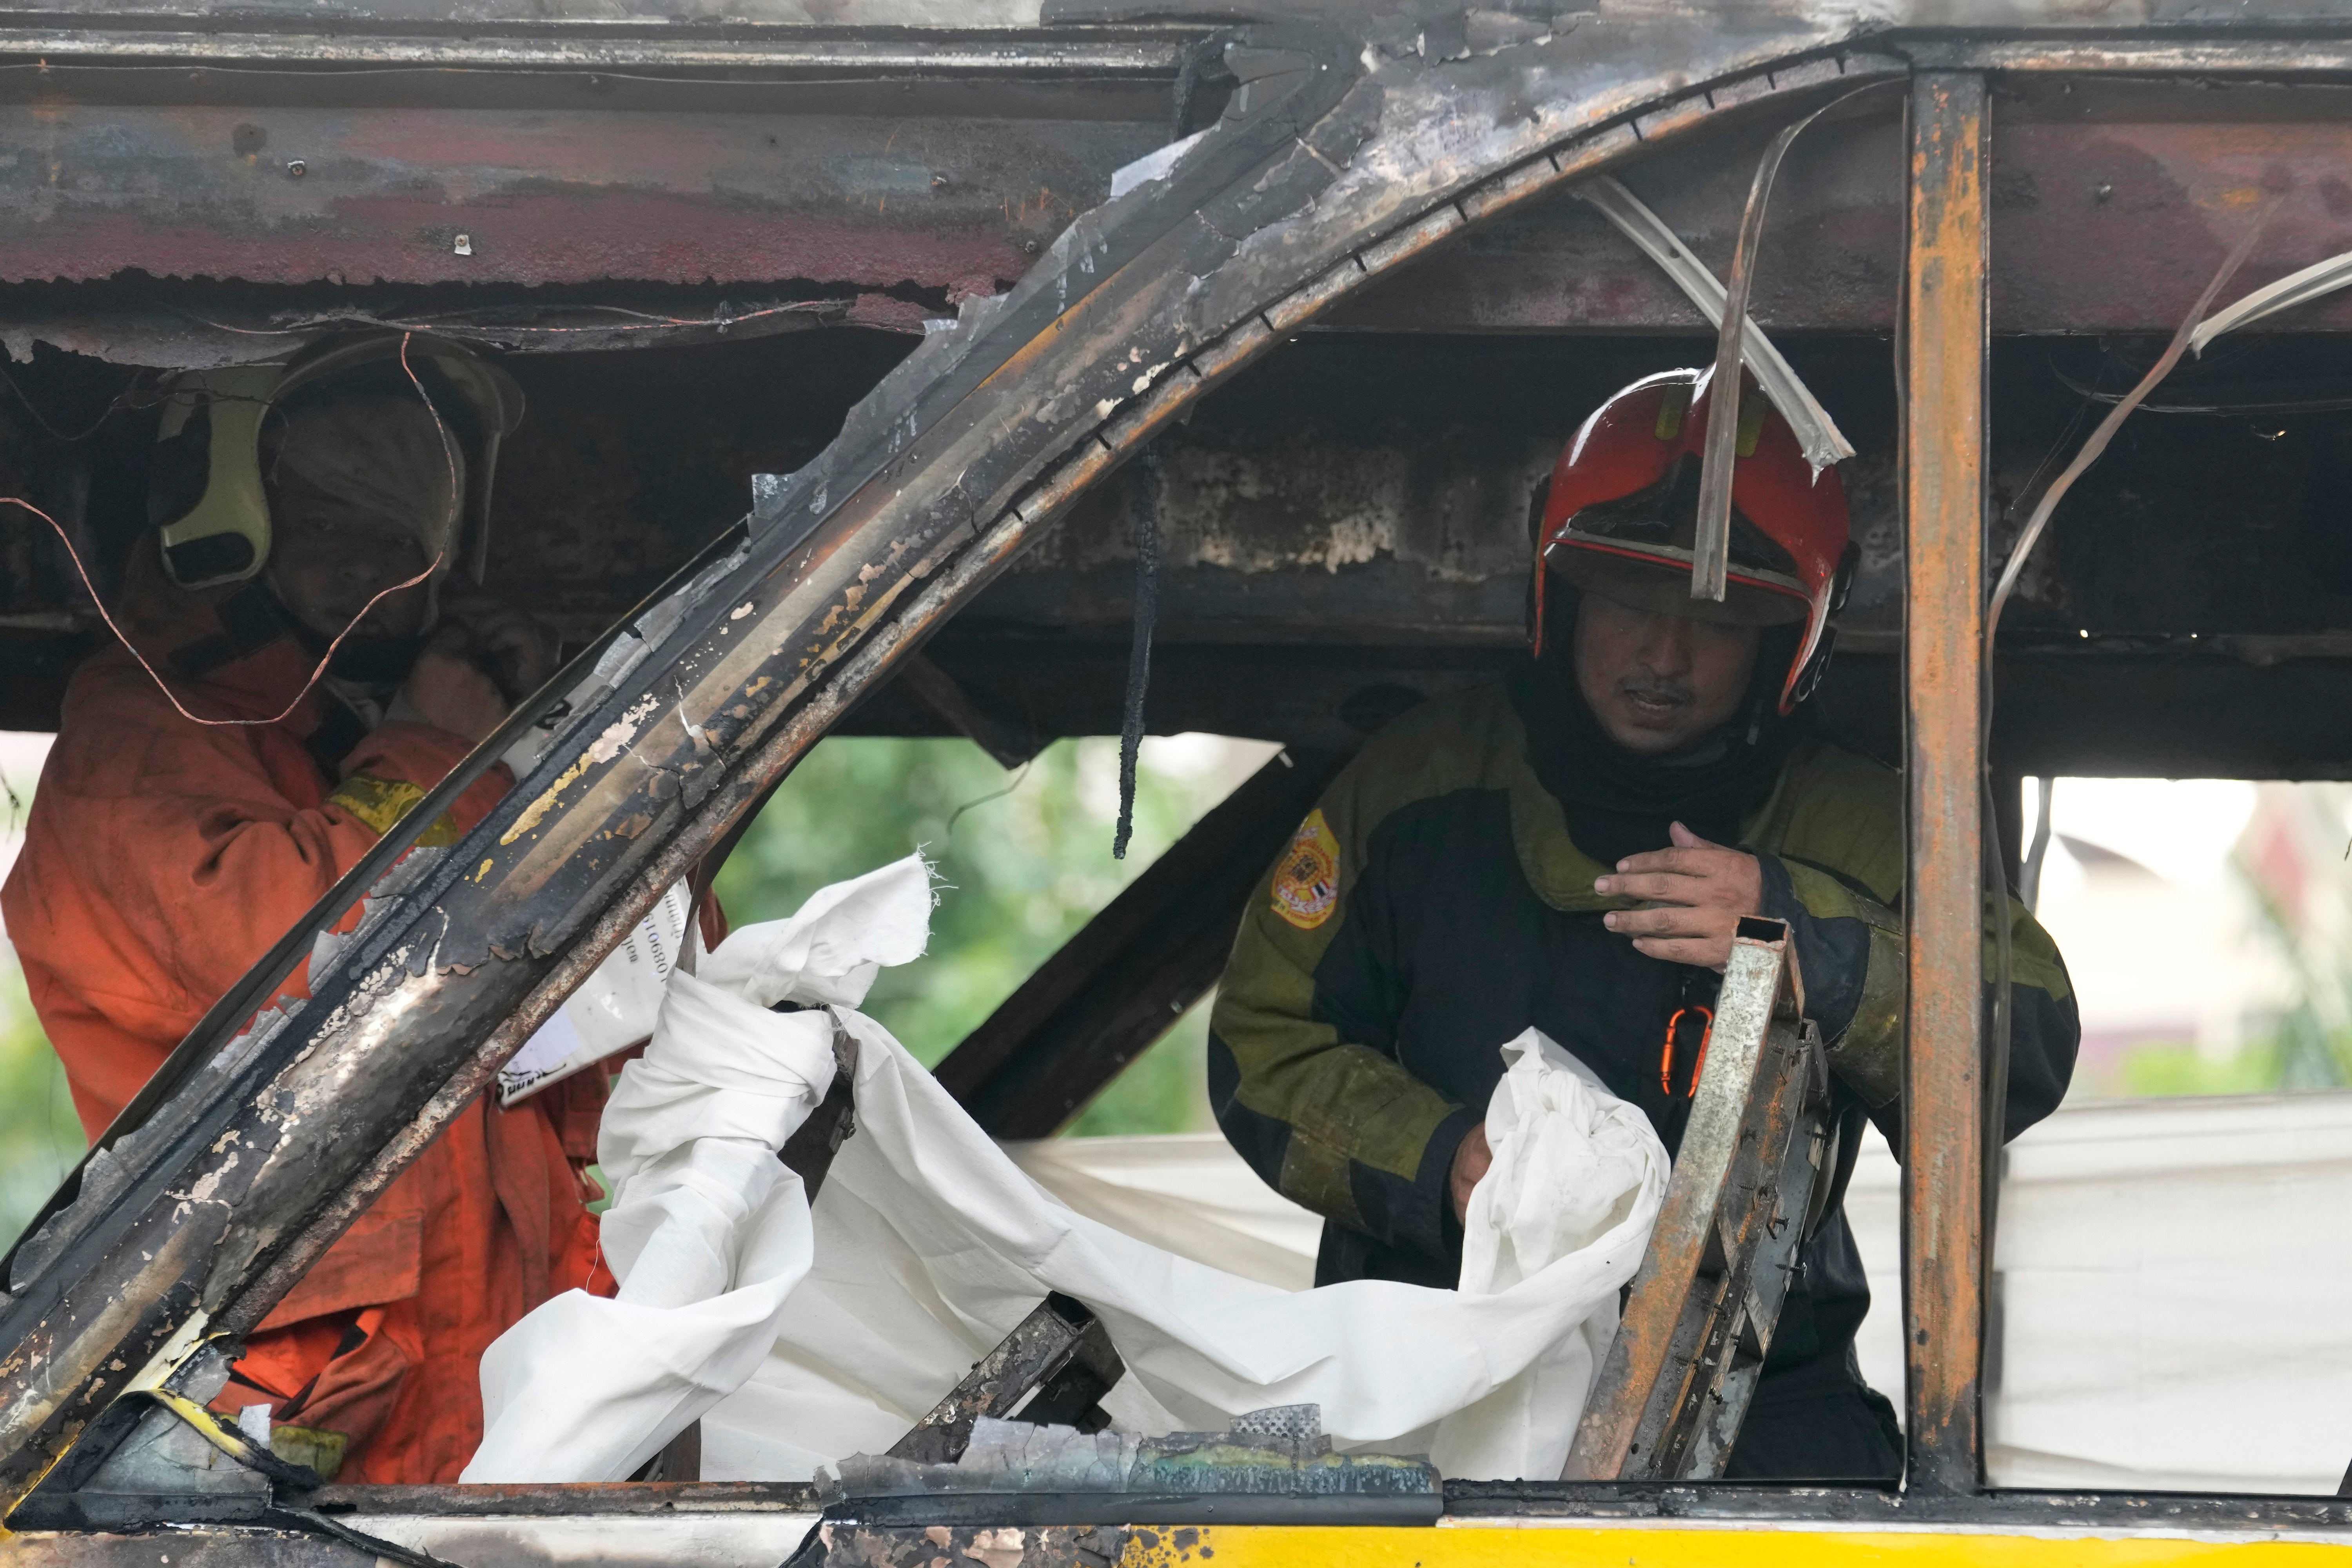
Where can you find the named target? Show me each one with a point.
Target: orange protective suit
(162, 858)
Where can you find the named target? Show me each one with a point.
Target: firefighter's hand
(1471, 1158)
(518, 650)
(449, 688)
(1699, 892)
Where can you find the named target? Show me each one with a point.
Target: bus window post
(1943, 342)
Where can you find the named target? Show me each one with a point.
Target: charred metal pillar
(1743, 1201)
(1943, 347)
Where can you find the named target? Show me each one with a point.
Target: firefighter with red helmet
(1571, 849)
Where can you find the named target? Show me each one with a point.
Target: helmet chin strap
(1776, 650)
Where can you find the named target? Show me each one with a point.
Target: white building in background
(2166, 1269)
(2163, 935)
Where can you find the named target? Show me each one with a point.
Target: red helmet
(1620, 509)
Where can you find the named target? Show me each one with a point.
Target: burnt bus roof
(699, 239)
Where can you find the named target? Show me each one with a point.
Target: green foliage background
(40, 1138)
(1024, 859)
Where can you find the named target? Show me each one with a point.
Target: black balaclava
(373, 662)
(1619, 804)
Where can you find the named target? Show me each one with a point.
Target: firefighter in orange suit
(164, 855)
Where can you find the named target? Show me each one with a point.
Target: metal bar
(1643, 1370)
(1152, 51)
(1061, 1350)
(1006, 740)
(1817, 433)
(1711, 551)
(1943, 484)
(2008, 818)
(2129, 182)
(1674, 1388)
(535, 193)
(2113, 1514)
(809, 1151)
(1779, 1180)
(2317, 53)
(577, 44)
(567, 1499)
(646, 1522)
(1116, 986)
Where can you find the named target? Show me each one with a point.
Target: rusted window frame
(1944, 332)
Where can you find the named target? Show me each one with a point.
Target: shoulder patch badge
(1307, 881)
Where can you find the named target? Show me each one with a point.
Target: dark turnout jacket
(1434, 906)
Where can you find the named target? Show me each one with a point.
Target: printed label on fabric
(1307, 882)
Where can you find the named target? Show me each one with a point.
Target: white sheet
(1186, 1191)
(927, 1244)
(2125, 1263)
(2170, 1276)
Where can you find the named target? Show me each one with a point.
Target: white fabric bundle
(929, 1245)
(1564, 1147)
(709, 1232)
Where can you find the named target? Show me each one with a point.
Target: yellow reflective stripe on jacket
(381, 802)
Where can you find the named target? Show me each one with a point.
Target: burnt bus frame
(1341, 156)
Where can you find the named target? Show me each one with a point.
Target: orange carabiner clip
(1667, 1056)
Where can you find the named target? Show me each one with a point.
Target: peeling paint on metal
(621, 731)
(996, 1548)
(203, 1190)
